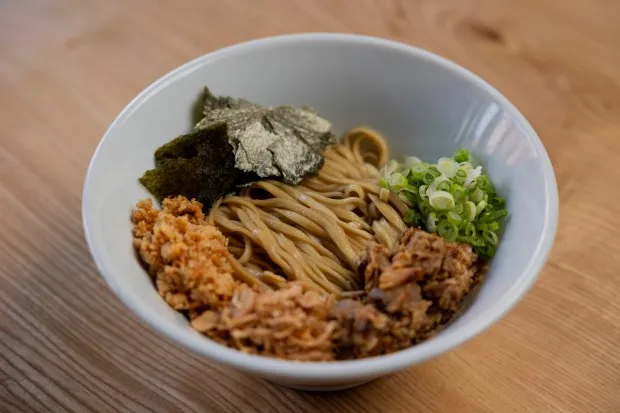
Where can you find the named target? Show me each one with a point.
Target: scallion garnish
(452, 197)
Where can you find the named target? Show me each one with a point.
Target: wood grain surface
(67, 67)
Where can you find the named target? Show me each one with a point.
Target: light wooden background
(67, 67)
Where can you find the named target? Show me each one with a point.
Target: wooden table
(67, 67)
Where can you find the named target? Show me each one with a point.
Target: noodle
(316, 232)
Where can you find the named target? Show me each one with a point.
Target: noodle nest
(318, 231)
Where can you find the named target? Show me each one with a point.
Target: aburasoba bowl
(424, 104)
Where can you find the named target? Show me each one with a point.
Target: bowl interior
(423, 104)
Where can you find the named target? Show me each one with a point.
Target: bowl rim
(337, 370)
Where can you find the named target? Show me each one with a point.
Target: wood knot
(484, 31)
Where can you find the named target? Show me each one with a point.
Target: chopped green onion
(412, 160)
(446, 185)
(447, 230)
(493, 216)
(470, 230)
(447, 166)
(425, 207)
(431, 222)
(476, 241)
(422, 191)
(429, 176)
(498, 203)
(433, 186)
(485, 184)
(419, 168)
(441, 200)
(493, 226)
(477, 195)
(458, 192)
(389, 169)
(454, 218)
(469, 210)
(490, 237)
(397, 181)
(452, 197)
(473, 175)
(412, 218)
(462, 155)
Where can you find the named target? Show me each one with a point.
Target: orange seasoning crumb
(187, 258)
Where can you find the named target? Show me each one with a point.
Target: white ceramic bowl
(425, 105)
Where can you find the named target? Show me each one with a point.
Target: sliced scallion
(469, 210)
(412, 160)
(441, 200)
(447, 230)
(452, 197)
(454, 218)
(431, 222)
(447, 166)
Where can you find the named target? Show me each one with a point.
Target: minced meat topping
(409, 293)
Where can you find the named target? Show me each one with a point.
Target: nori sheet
(237, 143)
(281, 142)
(198, 165)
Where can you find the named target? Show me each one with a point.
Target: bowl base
(334, 387)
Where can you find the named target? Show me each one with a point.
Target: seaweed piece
(235, 144)
(211, 102)
(303, 123)
(295, 159)
(198, 165)
(281, 142)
